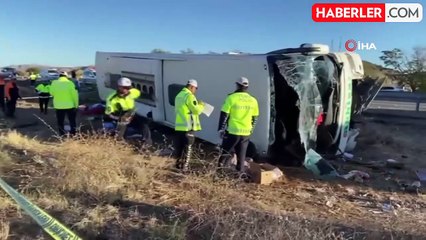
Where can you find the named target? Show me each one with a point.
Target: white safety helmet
(243, 81)
(124, 82)
(63, 73)
(193, 83)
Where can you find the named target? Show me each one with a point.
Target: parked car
(391, 89)
(49, 74)
(9, 71)
(89, 76)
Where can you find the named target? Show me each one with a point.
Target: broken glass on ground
(315, 163)
(391, 163)
(358, 176)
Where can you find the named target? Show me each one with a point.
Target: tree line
(406, 70)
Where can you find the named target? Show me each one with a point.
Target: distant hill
(24, 67)
(376, 71)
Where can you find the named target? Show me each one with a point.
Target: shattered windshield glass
(312, 79)
(299, 73)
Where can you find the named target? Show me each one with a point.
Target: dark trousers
(2, 104)
(43, 102)
(32, 82)
(60, 117)
(11, 107)
(140, 124)
(233, 144)
(183, 148)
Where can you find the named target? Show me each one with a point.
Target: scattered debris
(358, 176)
(38, 160)
(331, 202)
(351, 191)
(410, 188)
(264, 173)
(421, 174)
(348, 155)
(321, 190)
(315, 163)
(387, 207)
(416, 184)
(369, 164)
(303, 194)
(391, 163)
(164, 152)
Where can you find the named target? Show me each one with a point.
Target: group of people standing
(237, 121)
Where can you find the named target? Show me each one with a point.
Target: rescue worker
(43, 96)
(33, 78)
(65, 102)
(2, 91)
(12, 96)
(237, 121)
(120, 105)
(187, 110)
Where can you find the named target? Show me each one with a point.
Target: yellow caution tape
(54, 228)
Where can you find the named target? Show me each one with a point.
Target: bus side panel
(146, 75)
(216, 79)
(102, 66)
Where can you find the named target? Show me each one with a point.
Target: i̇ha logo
(352, 45)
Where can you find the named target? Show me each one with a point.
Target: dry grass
(17, 140)
(101, 187)
(97, 217)
(4, 230)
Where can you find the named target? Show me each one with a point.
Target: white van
(293, 87)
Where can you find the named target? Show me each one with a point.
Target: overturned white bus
(306, 95)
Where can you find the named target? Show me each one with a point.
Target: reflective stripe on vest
(185, 120)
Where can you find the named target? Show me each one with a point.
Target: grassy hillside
(375, 71)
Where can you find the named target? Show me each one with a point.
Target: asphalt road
(398, 104)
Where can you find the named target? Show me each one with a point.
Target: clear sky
(68, 33)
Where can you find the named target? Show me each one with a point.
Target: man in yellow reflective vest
(33, 78)
(120, 111)
(236, 124)
(187, 110)
(65, 102)
(43, 96)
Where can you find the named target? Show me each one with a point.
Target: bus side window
(174, 90)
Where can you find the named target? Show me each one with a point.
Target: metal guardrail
(402, 97)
